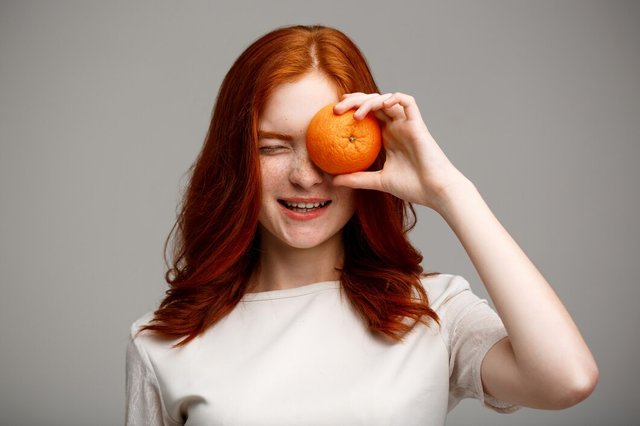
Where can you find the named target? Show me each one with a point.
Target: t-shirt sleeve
(144, 404)
(471, 328)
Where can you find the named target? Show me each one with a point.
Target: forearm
(545, 358)
(546, 343)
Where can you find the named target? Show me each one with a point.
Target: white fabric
(302, 356)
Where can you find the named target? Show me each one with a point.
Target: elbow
(584, 385)
(575, 388)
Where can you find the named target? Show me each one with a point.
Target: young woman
(295, 296)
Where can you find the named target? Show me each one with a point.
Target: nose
(304, 173)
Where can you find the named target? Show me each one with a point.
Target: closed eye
(272, 149)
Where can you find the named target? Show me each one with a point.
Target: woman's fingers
(387, 107)
(352, 100)
(356, 101)
(382, 116)
(394, 112)
(406, 102)
(361, 180)
(368, 104)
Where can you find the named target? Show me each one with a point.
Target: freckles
(275, 173)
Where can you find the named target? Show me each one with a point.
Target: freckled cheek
(275, 174)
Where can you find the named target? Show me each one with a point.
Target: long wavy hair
(216, 236)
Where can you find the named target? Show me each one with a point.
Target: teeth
(305, 205)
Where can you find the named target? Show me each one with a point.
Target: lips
(308, 205)
(301, 206)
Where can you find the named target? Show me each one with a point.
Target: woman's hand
(416, 170)
(544, 362)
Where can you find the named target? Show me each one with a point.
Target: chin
(306, 243)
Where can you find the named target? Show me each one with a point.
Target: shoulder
(139, 323)
(136, 338)
(441, 288)
(144, 342)
(145, 347)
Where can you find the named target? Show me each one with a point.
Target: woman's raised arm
(544, 363)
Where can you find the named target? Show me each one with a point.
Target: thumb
(362, 180)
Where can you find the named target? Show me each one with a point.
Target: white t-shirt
(302, 356)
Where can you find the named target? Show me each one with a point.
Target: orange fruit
(340, 143)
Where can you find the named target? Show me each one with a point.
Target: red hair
(216, 232)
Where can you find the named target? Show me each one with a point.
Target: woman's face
(300, 207)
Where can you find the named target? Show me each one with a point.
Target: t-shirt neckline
(290, 292)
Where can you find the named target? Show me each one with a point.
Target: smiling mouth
(304, 207)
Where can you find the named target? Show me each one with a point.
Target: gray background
(103, 107)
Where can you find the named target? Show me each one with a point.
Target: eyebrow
(262, 134)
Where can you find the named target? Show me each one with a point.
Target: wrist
(453, 195)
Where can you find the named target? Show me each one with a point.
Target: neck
(283, 267)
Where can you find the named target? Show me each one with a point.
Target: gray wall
(104, 105)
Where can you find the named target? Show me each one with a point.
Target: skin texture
(297, 252)
(544, 363)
